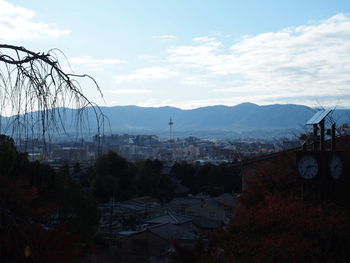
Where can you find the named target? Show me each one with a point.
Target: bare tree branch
(35, 91)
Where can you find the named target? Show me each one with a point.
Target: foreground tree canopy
(35, 91)
(45, 216)
(278, 219)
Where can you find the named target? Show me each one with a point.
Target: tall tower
(171, 123)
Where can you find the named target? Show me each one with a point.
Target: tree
(16, 199)
(35, 91)
(148, 176)
(209, 178)
(283, 229)
(53, 246)
(35, 82)
(187, 174)
(278, 220)
(115, 177)
(151, 182)
(31, 195)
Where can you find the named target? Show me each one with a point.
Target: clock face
(308, 167)
(336, 166)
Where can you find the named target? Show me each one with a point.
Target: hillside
(214, 120)
(243, 117)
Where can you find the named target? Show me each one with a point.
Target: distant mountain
(245, 117)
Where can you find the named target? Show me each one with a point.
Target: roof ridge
(173, 216)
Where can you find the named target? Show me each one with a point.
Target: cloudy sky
(193, 53)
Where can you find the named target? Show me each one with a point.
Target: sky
(191, 53)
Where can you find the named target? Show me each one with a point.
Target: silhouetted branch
(36, 92)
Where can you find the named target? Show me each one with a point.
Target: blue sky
(190, 54)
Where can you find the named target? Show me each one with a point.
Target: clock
(308, 166)
(335, 166)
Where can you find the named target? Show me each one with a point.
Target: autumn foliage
(44, 215)
(281, 229)
(280, 219)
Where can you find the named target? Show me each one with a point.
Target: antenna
(171, 123)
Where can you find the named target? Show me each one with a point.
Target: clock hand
(307, 168)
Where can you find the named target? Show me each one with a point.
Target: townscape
(174, 131)
(153, 209)
(135, 147)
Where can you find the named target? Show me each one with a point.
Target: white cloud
(16, 23)
(149, 58)
(187, 104)
(195, 81)
(166, 37)
(129, 91)
(93, 62)
(147, 74)
(196, 56)
(203, 39)
(300, 63)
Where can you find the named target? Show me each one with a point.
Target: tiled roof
(169, 217)
(171, 232)
(206, 223)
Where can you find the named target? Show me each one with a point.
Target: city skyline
(190, 54)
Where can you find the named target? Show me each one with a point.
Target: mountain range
(242, 118)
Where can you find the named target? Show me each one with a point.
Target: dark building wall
(142, 246)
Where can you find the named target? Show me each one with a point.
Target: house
(140, 246)
(126, 214)
(204, 225)
(180, 204)
(219, 208)
(211, 209)
(152, 244)
(168, 217)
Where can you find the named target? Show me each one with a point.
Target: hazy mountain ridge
(244, 117)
